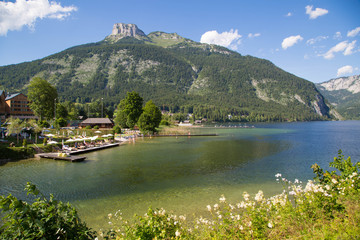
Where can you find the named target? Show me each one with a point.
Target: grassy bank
(16, 153)
(327, 207)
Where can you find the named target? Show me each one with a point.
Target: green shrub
(24, 142)
(117, 129)
(155, 224)
(43, 219)
(96, 127)
(61, 122)
(16, 153)
(44, 124)
(164, 123)
(88, 127)
(45, 141)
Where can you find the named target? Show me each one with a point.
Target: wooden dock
(71, 157)
(55, 156)
(96, 148)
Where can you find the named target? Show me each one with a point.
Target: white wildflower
(182, 218)
(216, 206)
(222, 199)
(110, 215)
(241, 227)
(296, 180)
(292, 193)
(270, 225)
(278, 175)
(208, 208)
(177, 233)
(334, 181)
(241, 204)
(246, 196)
(259, 196)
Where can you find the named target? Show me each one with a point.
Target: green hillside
(178, 74)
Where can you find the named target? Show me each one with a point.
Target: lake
(185, 174)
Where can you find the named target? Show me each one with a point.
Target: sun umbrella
(50, 135)
(104, 136)
(97, 131)
(110, 135)
(70, 140)
(52, 142)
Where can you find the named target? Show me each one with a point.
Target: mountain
(178, 74)
(344, 94)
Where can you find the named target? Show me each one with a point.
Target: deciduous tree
(129, 109)
(42, 96)
(150, 118)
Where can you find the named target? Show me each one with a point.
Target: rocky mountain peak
(122, 30)
(351, 84)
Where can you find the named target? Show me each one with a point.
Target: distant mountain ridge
(344, 94)
(177, 73)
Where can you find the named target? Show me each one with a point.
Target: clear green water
(185, 174)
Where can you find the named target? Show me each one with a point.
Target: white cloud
(290, 41)
(313, 14)
(253, 35)
(345, 47)
(289, 14)
(229, 39)
(315, 40)
(345, 70)
(337, 36)
(353, 32)
(14, 15)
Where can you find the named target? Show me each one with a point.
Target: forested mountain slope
(177, 73)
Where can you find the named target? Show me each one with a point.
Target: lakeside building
(14, 105)
(100, 122)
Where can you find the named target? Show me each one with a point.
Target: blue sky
(314, 39)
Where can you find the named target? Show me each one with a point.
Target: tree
(150, 118)
(36, 127)
(42, 96)
(15, 126)
(60, 122)
(61, 111)
(129, 109)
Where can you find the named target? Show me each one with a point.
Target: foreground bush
(43, 219)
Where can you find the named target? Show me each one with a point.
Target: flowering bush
(155, 224)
